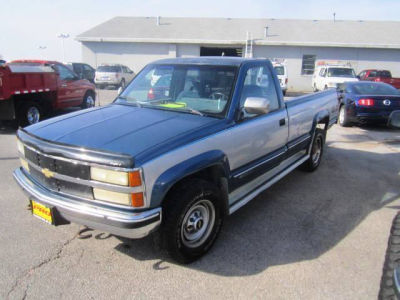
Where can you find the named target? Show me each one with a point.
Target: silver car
(115, 75)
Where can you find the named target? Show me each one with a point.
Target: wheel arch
(212, 166)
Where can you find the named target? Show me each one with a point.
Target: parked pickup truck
(30, 89)
(380, 76)
(179, 161)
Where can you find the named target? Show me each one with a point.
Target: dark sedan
(366, 102)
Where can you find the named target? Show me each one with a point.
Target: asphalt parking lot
(320, 235)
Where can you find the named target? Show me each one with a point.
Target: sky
(29, 29)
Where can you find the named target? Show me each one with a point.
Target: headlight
(109, 176)
(20, 147)
(132, 179)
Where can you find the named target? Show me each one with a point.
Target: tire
(343, 117)
(30, 113)
(284, 93)
(315, 88)
(192, 220)
(392, 261)
(122, 84)
(88, 101)
(325, 87)
(317, 151)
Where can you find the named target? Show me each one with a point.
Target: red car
(380, 76)
(30, 89)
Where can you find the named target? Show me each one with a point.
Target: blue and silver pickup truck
(188, 142)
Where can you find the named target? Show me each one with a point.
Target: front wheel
(192, 220)
(317, 149)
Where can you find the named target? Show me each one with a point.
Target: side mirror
(119, 90)
(394, 119)
(256, 105)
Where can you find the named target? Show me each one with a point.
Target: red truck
(380, 76)
(30, 89)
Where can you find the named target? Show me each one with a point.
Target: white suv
(281, 72)
(116, 75)
(329, 76)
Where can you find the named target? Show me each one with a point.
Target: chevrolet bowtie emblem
(46, 172)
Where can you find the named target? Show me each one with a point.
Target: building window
(308, 64)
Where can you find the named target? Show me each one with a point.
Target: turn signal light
(135, 179)
(365, 102)
(137, 200)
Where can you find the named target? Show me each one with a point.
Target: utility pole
(63, 36)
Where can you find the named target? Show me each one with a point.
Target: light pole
(63, 36)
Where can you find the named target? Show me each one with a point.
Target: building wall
(360, 59)
(137, 55)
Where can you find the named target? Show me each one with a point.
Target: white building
(136, 41)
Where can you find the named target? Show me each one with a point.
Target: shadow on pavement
(299, 218)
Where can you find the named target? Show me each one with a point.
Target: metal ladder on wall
(248, 51)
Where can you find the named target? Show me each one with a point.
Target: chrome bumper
(115, 221)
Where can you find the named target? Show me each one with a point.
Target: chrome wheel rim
(316, 152)
(33, 115)
(198, 223)
(89, 101)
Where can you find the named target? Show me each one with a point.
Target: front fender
(186, 168)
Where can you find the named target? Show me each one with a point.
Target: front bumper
(115, 221)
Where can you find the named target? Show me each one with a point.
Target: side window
(65, 73)
(87, 68)
(372, 74)
(322, 72)
(124, 69)
(259, 83)
(78, 68)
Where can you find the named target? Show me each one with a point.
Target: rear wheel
(315, 88)
(30, 113)
(317, 149)
(88, 101)
(343, 117)
(192, 220)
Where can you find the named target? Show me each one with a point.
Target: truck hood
(142, 133)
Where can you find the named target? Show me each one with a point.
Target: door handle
(63, 85)
(282, 122)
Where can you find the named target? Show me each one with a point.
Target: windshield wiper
(130, 100)
(194, 111)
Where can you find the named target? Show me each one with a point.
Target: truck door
(69, 92)
(259, 140)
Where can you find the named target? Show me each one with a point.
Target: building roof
(233, 31)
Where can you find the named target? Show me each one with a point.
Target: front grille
(63, 167)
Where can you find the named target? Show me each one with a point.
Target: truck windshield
(199, 89)
(279, 70)
(341, 72)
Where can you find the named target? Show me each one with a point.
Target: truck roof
(208, 60)
(36, 61)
